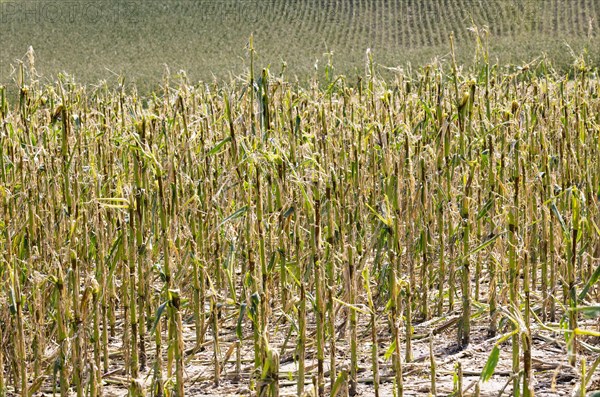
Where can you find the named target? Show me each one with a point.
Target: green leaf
(339, 381)
(590, 283)
(588, 311)
(267, 365)
(235, 215)
(13, 302)
(297, 125)
(490, 365)
(238, 327)
(366, 277)
(289, 212)
(254, 307)
(157, 316)
(560, 218)
(483, 245)
(218, 146)
(485, 208)
(271, 264)
(390, 351)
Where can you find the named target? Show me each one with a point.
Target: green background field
(96, 40)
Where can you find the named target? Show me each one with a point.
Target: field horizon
(99, 41)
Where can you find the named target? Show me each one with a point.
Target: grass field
(96, 40)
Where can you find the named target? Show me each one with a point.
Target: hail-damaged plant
(329, 228)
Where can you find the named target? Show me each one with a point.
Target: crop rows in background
(317, 224)
(418, 24)
(97, 40)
